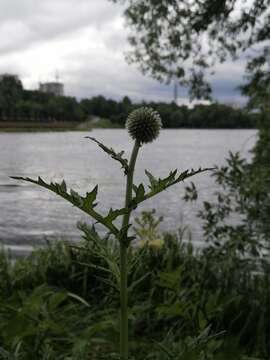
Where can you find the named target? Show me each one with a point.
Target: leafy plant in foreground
(237, 229)
(175, 293)
(143, 125)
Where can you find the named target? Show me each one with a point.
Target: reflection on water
(28, 214)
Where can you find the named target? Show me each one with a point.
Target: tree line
(18, 104)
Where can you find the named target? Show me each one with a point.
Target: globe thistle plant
(143, 125)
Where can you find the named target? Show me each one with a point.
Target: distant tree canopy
(205, 116)
(11, 92)
(184, 39)
(17, 104)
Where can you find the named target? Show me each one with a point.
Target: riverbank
(39, 126)
(72, 296)
(29, 126)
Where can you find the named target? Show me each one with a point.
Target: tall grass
(53, 304)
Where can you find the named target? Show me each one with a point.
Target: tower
(175, 91)
(54, 87)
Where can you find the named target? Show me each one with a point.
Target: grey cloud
(95, 67)
(117, 79)
(114, 78)
(27, 22)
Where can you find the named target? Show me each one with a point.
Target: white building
(55, 88)
(191, 104)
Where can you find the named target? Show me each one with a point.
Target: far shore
(41, 126)
(54, 126)
(18, 126)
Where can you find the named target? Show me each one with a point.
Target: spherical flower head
(144, 124)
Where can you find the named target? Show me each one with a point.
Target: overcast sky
(85, 41)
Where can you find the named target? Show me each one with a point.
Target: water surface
(29, 214)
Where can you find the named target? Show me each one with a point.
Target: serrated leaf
(77, 199)
(91, 197)
(140, 192)
(139, 195)
(152, 179)
(63, 186)
(159, 185)
(113, 214)
(169, 179)
(134, 188)
(85, 204)
(114, 155)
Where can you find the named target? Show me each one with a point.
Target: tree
(178, 118)
(11, 91)
(167, 38)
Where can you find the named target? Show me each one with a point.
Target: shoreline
(31, 126)
(66, 126)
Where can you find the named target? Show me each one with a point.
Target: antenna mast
(175, 91)
(57, 76)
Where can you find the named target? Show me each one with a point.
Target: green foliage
(178, 294)
(17, 104)
(11, 92)
(86, 203)
(146, 229)
(205, 116)
(238, 219)
(236, 227)
(157, 185)
(117, 112)
(101, 124)
(167, 37)
(113, 154)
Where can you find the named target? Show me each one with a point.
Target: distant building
(191, 104)
(55, 88)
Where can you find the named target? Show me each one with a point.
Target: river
(29, 215)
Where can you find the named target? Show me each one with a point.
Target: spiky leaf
(85, 203)
(158, 185)
(114, 155)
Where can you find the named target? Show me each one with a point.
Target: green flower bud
(144, 124)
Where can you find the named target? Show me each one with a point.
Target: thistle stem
(123, 258)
